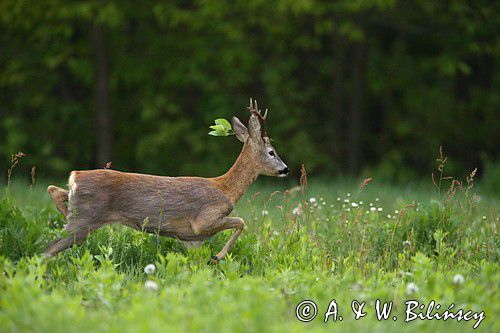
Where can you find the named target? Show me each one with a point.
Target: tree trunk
(336, 133)
(104, 128)
(354, 146)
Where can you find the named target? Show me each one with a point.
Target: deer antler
(254, 109)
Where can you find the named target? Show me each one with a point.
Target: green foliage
(428, 72)
(21, 236)
(335, 241)
(222, 127)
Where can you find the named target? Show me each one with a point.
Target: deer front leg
(222, 224)
(230, 223)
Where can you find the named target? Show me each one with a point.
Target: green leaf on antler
(222, 127)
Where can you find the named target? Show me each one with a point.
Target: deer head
(259, 145)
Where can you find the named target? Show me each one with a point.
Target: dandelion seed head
(411, 288)
(149, 269)
(151, 285)
(458, 279)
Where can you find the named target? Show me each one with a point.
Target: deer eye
(271, 152)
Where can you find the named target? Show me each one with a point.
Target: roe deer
(187, 208)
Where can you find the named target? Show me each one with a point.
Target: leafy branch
(222, 127)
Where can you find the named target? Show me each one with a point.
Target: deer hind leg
(230, 223)
(78, 231)
(60, 198)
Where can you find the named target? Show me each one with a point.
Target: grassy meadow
(331, 240)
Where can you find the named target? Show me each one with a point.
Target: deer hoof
(213, 261)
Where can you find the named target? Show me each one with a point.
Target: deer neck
(240, 176)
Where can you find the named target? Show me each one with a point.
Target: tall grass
(327, 240)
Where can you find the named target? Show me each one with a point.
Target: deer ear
(239, 129)
(254, 127)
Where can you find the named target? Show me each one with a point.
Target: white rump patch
(71, 185)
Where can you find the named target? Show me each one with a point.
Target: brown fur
(187, 208)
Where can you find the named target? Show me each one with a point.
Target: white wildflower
(312, 201)
(389, 216)
(372, 209)
(346, 200)
(151, 285)
(354, 204)
(411, 288)
(297, 210)
(396, 211)
(348, 209)
(265, 213)
(458, 279)
(149, 269)
(380, 209)
(361, 202)
(338, 198)
(371, 204)
(406, 243)
(376, 199)
(484, 217)
(348, 194)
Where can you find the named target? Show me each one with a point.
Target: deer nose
(284, 171)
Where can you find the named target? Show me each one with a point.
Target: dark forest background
(355, 86)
